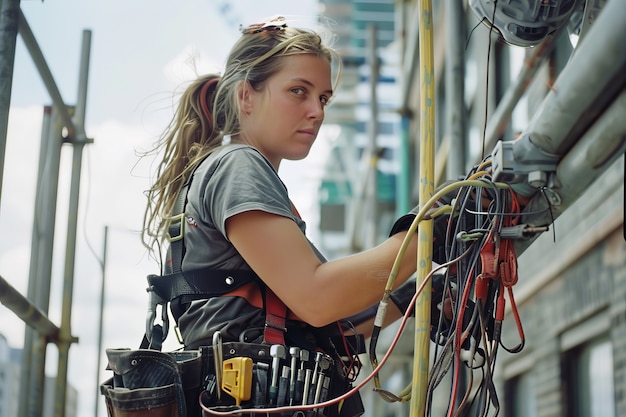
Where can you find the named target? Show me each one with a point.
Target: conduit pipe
(426, 190)
(455, 87)
(593, 77)
(591, 80)
(599, 147)
(502, 114)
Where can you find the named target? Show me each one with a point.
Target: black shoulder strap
(199, 284)
(176, 229)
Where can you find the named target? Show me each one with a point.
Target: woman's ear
(245, 96)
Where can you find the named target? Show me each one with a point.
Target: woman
(269, 104)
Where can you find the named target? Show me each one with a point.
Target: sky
(142, 54)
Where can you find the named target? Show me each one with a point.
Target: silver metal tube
(101, 317)
(40, 270)
(596, 67)
(372, 189)
(604, 142)
(70, 252)
(455, 89)
(26, 311)
(44, 72)
(411, 58)
(9, 22)
(502, 114)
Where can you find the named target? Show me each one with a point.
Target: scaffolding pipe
(426, 190)
(593, 77)
(9, 22)
(372, 186)
(403, 188)
(31, 394)
(455, 89)
(501, 116)
(103, 264)
(592, 154)
(44, 71)
(410, 61)
(26, 311)
(70, 253)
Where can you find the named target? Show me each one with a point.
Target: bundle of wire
(477, 222)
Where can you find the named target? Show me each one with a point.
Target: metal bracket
(521, 162)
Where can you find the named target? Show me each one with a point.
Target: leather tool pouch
(153, 383)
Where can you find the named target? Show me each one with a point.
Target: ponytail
(190, 136)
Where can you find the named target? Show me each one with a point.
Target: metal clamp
(154, 300)
(522, 163)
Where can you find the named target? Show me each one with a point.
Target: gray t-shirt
(233, 179)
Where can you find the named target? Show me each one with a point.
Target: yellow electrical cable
(424, 210)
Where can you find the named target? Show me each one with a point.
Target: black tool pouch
(152, 383)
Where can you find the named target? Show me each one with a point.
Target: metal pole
(33, 283)
(100, 324)
(40, 270)
(43, 331)
(592, 154)
(66, 338)
(366, 184)
(455, 88)
(44, 72)
(502, 114)
(70, 254)
(426, 190)
(411, 60)
(403, 189)
(403, 201)
(9, 22)
(26, 311)
(372, 201)
(593, 77)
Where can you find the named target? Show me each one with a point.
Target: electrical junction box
(523, 164)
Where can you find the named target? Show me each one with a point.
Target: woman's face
(283, 118)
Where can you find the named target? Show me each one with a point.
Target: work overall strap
(275, 319)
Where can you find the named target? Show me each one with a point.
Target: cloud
(190, 63)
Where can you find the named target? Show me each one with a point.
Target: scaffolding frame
(61, 124)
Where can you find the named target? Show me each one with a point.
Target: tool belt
(237, 376)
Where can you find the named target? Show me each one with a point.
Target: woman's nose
(316, 110)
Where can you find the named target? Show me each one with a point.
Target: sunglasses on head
(274, 24)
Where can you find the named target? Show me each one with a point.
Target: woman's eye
(324, 100)
(298, 90)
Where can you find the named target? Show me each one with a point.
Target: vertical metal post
(455, 87)
(425, 231)
(403, 188)
(9, 22)
(79, 141)
(40, 270)
(502, 114)
(403, 200)
(372, 189)
(100, 324)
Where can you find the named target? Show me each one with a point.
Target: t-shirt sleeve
(243, 181)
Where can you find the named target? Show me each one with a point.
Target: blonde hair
(208, 110)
